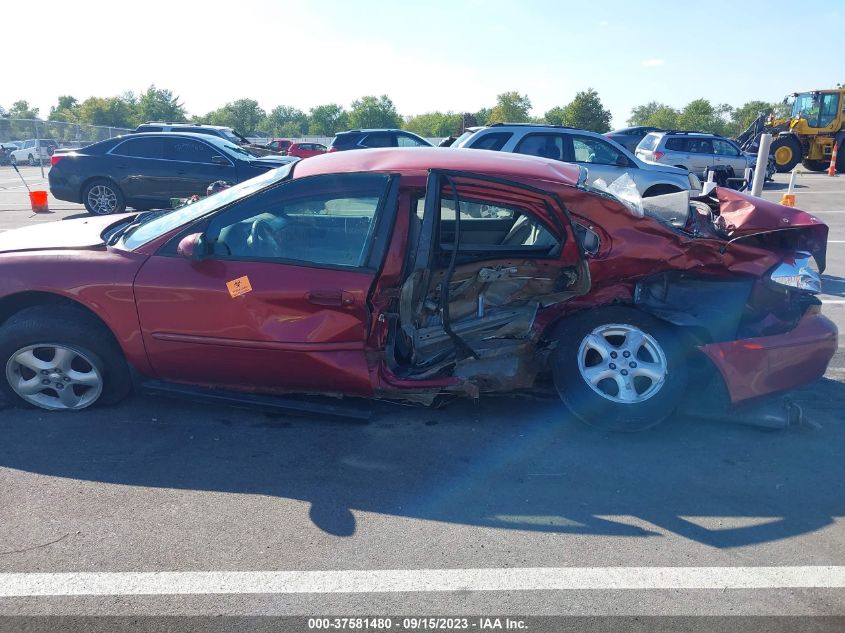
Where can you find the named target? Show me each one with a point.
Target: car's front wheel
(60, 358)
(102, 197)
(619, 369)
(13, 160)
(31, 160)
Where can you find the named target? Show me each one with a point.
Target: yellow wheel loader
(816, 122)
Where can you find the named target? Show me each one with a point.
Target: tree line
(585, 111)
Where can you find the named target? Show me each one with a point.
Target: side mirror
(192, 246)
(219, 160)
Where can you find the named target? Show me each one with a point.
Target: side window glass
(592, 150)
(378, 140)
(407, 141)
(495, 141)
(676, 145)
(189, 150)
(140, 148)
(489, 227)
(326, 220)
(830, 103)
(723, 148)
(543, 145)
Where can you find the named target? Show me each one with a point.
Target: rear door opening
(486, 255)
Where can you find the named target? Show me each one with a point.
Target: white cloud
(652, 62)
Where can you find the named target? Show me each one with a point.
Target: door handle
(330, 297)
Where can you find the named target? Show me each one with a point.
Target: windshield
(805, 105)
(230, 136)
(170, 220)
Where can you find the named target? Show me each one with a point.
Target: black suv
(361, 139)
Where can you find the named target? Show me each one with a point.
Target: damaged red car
(408, 274)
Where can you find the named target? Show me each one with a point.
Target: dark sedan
(144, 171)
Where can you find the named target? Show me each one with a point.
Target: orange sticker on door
(239, 286)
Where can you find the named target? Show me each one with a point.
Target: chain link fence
(65, 134)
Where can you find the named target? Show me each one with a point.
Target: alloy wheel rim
(54, 377)
(621, 363)
(102, 199)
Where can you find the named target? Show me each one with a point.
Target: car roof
(169, 135)
(376, 129)
(417, 161)
(196, 125)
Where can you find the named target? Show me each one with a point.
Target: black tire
(70, 327)
(660, 190)
(119, 204)
(816, 165)
(840, 157)
(786, 160)
(602, 411)
(13, 160)
(31, 160)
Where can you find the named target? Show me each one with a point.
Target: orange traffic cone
(831, 170)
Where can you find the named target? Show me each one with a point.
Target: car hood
(81, 233)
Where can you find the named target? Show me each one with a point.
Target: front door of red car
(279, 298)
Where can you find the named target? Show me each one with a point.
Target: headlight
(800, 272)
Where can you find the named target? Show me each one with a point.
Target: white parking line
(420, 580)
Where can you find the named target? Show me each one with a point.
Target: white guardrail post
(762, 163)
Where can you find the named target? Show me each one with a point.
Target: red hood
(742, 215)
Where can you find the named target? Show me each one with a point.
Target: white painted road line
(421, 580)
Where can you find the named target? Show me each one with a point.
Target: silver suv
(695, 151)
(602, 157)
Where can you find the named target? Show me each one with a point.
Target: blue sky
(433, 55)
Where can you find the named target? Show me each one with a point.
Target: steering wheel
(263, 240)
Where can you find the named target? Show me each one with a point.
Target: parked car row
(145, 170)
(362, 274)
(31, 151)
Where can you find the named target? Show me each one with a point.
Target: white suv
(602, 157)
(33, 151)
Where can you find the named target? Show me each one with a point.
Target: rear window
(649, 142)
(495, 141)
(140, 148)
(344, 139)
(378, 139)
(677, 144)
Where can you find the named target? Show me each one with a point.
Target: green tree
(110, 111)
(702, 116)
(327, 120)
(67, 110)
(482, 116)
(159, 105)
(243, 116)
(745, 115)
(586, 112)
(22, 110)
(293, 121)
(555, 116)
(511, 107)
(437, 124)
(374, 112)
(642, 114)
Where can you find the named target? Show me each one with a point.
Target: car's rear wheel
(619, 369)
(31, 160)
(59, 358)
(102, 197)
(13, 160)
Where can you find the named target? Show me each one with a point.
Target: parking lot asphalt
(484, 495)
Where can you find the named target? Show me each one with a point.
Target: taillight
(658, 155)
(55, 158)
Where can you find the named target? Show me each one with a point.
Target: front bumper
(760, 366)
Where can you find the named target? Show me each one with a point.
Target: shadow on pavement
(509, 463)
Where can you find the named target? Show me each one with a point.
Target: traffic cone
(831, 170)
(788, 199)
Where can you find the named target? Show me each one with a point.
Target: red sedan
(410, 273)
(306, 150)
